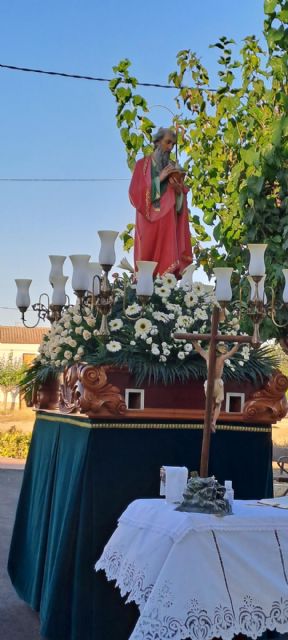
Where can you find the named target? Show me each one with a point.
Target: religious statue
(158, 193)
(218, 390)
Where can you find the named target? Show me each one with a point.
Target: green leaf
(269, 6)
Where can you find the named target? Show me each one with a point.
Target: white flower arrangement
(148, 340)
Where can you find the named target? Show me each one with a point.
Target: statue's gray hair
(159, 135)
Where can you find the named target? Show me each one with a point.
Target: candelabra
(256, 309)
(90, 283)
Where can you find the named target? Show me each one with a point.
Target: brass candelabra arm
(273, 308)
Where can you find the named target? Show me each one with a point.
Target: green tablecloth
(78, 479)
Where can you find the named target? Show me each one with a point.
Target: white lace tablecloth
(199, 576)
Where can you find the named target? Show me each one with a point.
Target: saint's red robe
(160, 234)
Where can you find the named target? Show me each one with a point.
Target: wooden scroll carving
(269, 403)
(85, 389)
(46, 395)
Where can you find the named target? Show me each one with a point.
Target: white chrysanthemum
(200, 314)
(169, 280)
(154, 331)
(175, 308)
(57, 363)
(163, 358)
(163, 292)
(184, 321)
(73, 343)
(188, 347)
(67, 324)
(116, 324)
(241, 362)
(132, 342)
(68, 354)
(166, 352)
(77, 357)
(78, 330)
(149, 340)
(133, 309)
(77, 318)
(143, 325)
(87, 334)
(190, 299)
(160, 316)
(181, 355)
(113, 346)
(64, 362)
(80, 350)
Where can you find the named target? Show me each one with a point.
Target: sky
(63, 128)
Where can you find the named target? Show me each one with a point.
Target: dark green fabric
(76, 484)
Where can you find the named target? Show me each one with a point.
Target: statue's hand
(166, 172)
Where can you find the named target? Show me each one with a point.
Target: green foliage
(235, 142)
(14, 444)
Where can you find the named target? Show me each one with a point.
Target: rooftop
(22, 335)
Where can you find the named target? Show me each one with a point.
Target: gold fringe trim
(89, 424)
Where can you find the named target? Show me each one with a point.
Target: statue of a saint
(158, 193)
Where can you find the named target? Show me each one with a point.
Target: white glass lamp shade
(261, 293)
(59, 294)
(187, 276)
(94, 269)
(107, 250)
(144, 275)
(223, 291)
(285, 291)
(23, 297)
(257, 264)
(56, 267)
(80, 277)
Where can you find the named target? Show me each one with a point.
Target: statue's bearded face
(163, 150)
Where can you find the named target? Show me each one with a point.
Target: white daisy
(113, 346)
(143, 325)
(116, 324)
(198, 288)
(190, 299)
(163, 292)
(133, 309)
(169, 280)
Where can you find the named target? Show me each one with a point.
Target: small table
(199, 576)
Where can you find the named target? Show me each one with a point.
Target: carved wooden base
(85, 389)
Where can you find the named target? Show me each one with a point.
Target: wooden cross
(212, 338)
